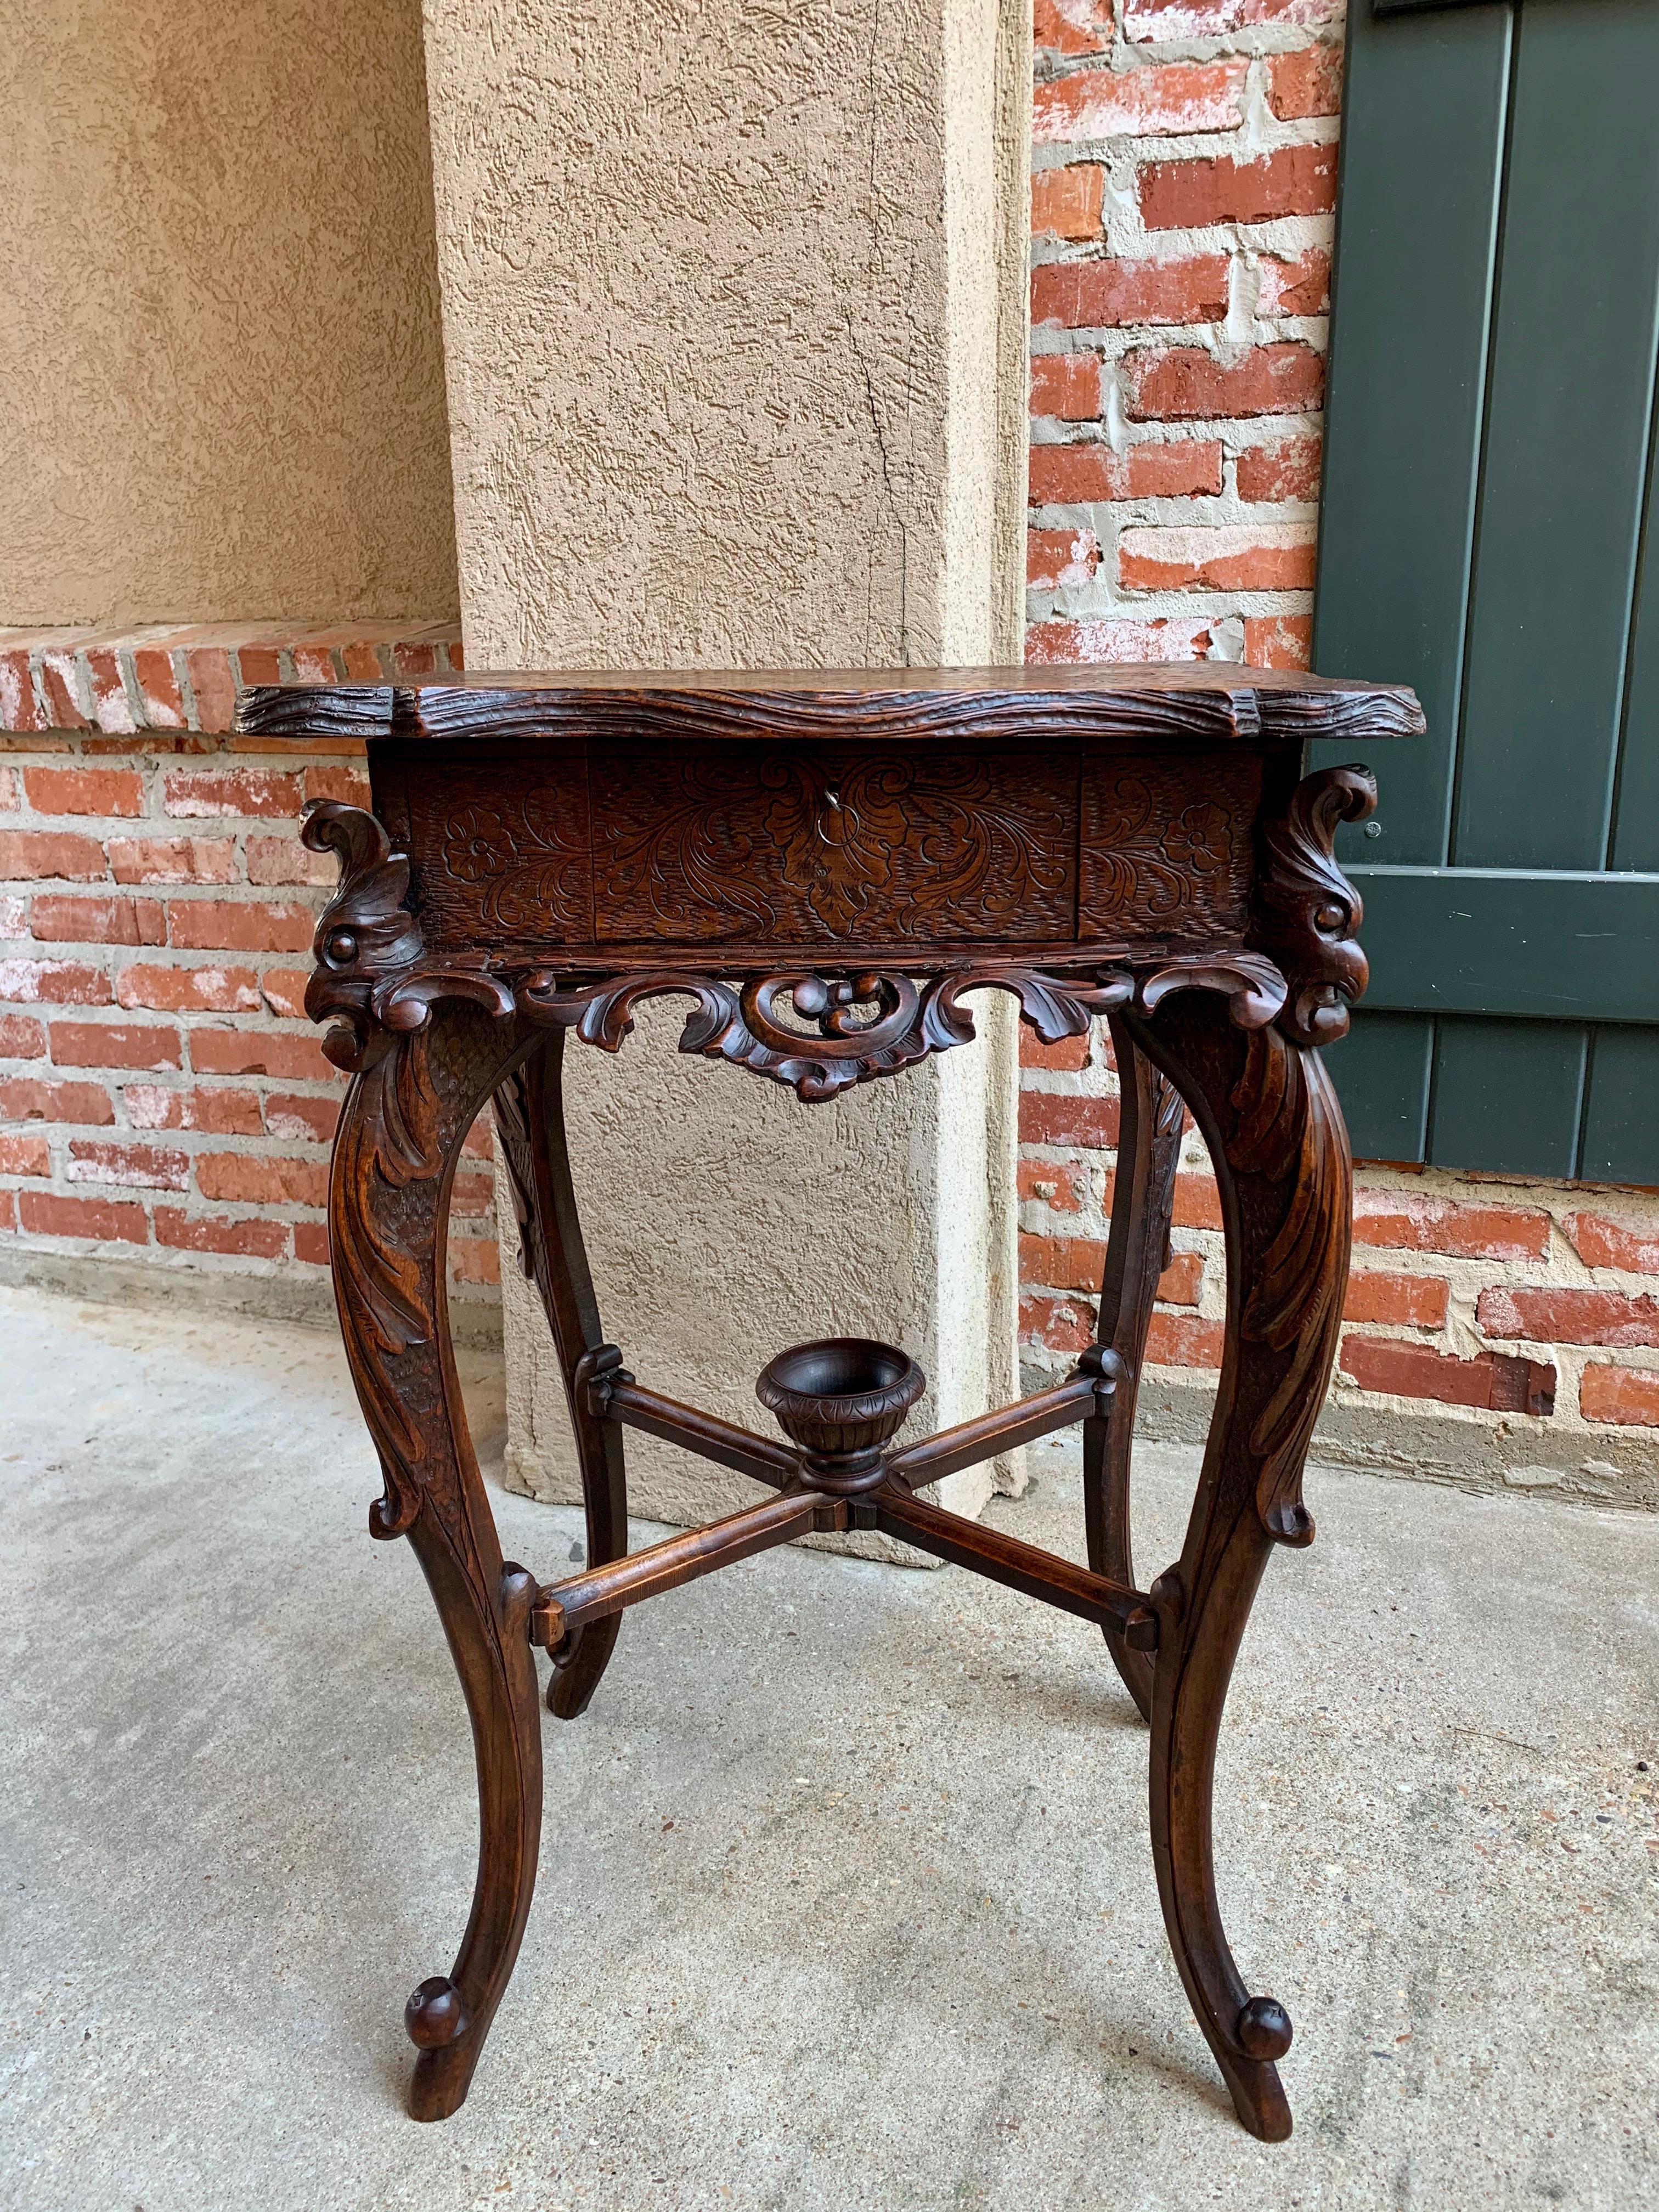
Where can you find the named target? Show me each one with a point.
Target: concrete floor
(845, 1899)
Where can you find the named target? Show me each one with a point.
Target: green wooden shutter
(1487, 507)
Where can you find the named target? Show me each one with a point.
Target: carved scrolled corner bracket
(1306, 910)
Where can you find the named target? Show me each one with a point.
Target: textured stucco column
(733, 303)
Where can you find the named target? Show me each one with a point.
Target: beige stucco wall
(734, 340)
(220, 375)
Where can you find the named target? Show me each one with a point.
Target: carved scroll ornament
(1306, 910)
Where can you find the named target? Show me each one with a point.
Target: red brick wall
(1184, 176)
(162, 1097)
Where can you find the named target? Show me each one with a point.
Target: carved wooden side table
(825, 866)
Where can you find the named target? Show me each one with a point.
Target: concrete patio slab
(845, 1899)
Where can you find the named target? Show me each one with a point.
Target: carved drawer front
(1166, 845)
(810, 845)
(498, 840)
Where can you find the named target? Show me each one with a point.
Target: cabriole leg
(1143, 1197)
(394, 1158)
(1271, 1120)
(529, 1117)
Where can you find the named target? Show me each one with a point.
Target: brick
(259, 663)
(1234, 557)
(1162, 103)
(111, 709)
(1070, 1053)
(190, 990)
(290, 1059)
(1294, 284)
(14, 914)
(1113, 641)
(246, 1179)
(1442, 1225)
(348, 784)
(1308, 81)
(1183, 1280)
(11, 791)
(58, 920)
(60, 685)
(1066, 386)
(471, 1196)
(1058, 559)
(1567, 1316)
(311, 1242)
(1187, 383)
(252, 793)
(232, 926)
(1049, 1182)
(1063, 1117)
(475, 1259)
(45, 1213)
(1286, 469)
(1491, 1380)
(59, 982)
(8, 1210)
(1626, 1396)
(1155, 20)
(313, 664)
(296, 1118)
(31, 854)
(1192, 195)
(212, 683)
(19, 709)
(84, 790)
(1278, 641)
(1109, 293)
(158, 688)
(1088, 471)
(1072, 26)
(1599, 1243)
(414, 657)
(148, 1167)
(1184, 1340)
(1057, 1324)
(286, 861)
(1066, 202)
(1197, 1201)
(173, 859)
(221, 1113)
(251, 1240)
(34, 1098)
(1061, 1263)
(22, 1038)
(1401, 1301)
(24, 1156)
(114, 1044)
(284, 990)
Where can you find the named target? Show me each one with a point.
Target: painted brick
(1189, 384)
(1440, 1224)
(1491, 1380)
(1294, 284)
(252, 1240)
(284, 990)
(1184, 1340)
(45, 1213)
(59, 920)
(1192, 195)
(296, 1118)
(1401, 1301)
(247, 1179)
(1058, 643)
(1059, 559)
(1087, 471)
(286, 861)
(1061, 1117)
(111, 707)
(221, 1113)
(14, 914)
(1278, 641)
(1066, 202)
(1057, 1324)
(1069, 1055)
(1051, 1183)
(34, 1098)
(1108, 294)
(475, 1259)
(114, 1044)
(1286, 469)
(1599, 1243)
(58, 982)
(290, 1057)
(1066, 386)
(232, 926)
(1626, 1396)
(1161, 20)
(1266, 557)
(190, 990)
(1308, 81)
(19, 709)
(253, 793)
(1170, 100)
(117, 790)
(1072, 26)
(26, 855)
(173, 859)
(21, 1037)
(1567, 1316)
(146, 1167)
(24, 1156)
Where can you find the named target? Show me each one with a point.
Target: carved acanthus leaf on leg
(1306, 910)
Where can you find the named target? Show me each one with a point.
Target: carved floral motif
(1149, 850)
